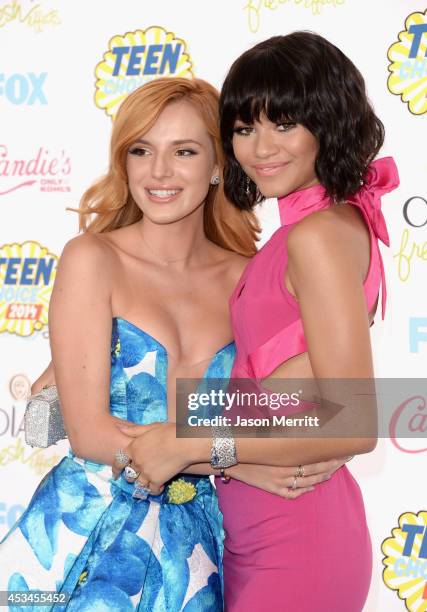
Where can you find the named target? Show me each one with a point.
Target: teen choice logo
(27, 272)
(408, 77)
(406, 560)
(135, 59)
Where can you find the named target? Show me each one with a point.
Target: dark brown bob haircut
(305, 79)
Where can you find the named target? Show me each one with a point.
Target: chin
(275, 189)
(275, 192)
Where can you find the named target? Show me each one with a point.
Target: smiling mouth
(270, 169)
(163, 195)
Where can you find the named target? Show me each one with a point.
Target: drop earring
(247, 185)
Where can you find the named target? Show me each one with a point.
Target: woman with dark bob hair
(296, 125)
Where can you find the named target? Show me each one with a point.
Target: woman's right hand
(46, 379)
(279, 480)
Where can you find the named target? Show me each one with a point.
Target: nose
(161, 166)
(265, 144)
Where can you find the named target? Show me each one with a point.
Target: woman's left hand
(155, 452)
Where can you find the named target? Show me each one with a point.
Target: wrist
(199, 450)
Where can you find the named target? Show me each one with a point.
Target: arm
(277, 480)
(80, 335)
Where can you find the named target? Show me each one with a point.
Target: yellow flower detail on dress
(82, 578)
(117, 348)
(180, 491)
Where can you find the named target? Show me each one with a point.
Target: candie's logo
(136, 58)
(27, 272)
(42, 170)
(408, 67)
(406, 560)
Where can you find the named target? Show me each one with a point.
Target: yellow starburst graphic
(405, 569)
(408, 68)
(27, 273)
(135, 59)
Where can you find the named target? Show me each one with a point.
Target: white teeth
(163, 193)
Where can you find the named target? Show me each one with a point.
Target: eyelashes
(242, 131)
(245, 130)
(186, 152)
(142, 152)
(139, 151)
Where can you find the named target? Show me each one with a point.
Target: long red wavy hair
(108, 204)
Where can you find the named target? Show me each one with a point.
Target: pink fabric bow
(382, 176)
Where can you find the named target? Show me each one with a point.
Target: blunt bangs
(265, 83)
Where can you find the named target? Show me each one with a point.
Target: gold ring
(300, 473)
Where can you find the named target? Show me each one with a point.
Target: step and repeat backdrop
(65, 67)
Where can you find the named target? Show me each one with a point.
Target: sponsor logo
(137, 58)
(9, 514)
(29, 14)
(411, 248)
(20, 387)
(408, 424)
(27, 273)
(12, 420)
(406, 560)
(255, 8)
(21, 89)
(417, 333)
(38, 460)
(408, 67)
(45, 171)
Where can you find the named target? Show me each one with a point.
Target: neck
(177, 245)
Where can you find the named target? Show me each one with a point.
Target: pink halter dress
(314, 552)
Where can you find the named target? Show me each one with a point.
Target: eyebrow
(174, 142)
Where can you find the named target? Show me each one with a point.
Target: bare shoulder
(86, 262)
(88, 250)
(331, 232)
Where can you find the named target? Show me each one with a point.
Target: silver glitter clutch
(43, 419)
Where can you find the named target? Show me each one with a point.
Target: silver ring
(122, 459)
(294, 484)
(131, 473)
(141, 492)
(300, 473)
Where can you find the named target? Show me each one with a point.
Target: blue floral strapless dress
(85, 535)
